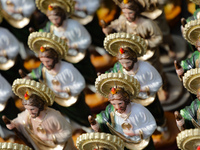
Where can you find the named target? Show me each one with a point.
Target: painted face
(198, 95)
(33, 111)
(120, 106)
(127, 64)
(129, 14)
(56, 20)
(198, 45)
(47, 62)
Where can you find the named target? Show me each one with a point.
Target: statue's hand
(91, 120)
(31, 29)
(183, 22)
(8, 123)
(179, 69)
(93, 123)
(22, 73)
(179, 120)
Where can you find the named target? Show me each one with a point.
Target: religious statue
(7, 104)
(130, 121)
(154, 10)
(189, 63)
(132, 22)
(62, 77)
(127, 48)
(189, 117)
(44, 127)
(75, 35)
(188, 120)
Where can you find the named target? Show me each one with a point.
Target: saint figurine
(130, 121)
(44, 127)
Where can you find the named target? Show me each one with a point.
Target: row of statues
(53, 93)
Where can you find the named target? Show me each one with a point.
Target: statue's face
(198, 95)
(127, 64)
(120, 106)
(56, 20)
(198, 45)
(33, 111)
(49, 63)
(129, 14)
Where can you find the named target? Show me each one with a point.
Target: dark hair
(120, 94)
(36, 101)
(58, 11)
(128, 54)
(50, 53)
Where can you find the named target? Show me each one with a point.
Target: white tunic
(9, 43)
(147, 76)
(27, 7)
(53, 124)
(140, 119)
(75, 33)
(68, 77)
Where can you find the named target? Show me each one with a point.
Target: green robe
(192, 62)
(190, 112)
(104, 116)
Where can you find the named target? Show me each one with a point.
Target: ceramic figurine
(189, 117)
(75, 35)
(130, 121)
(44, 127)
(127, 48)
(132, 22)
(62, 77)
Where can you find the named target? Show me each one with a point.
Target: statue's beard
(131, 19)
(34, 115)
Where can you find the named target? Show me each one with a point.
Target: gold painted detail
(67, 5)
(113, 42)
(188, 139)
(13, 146)
(191, 80)
(15, 22)
(20, 86)
(144, 102)
(8, 64)
(75, 58)
(106, 81)
(91, 141)
(191, 31)
(66, 102)
(38, 39)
